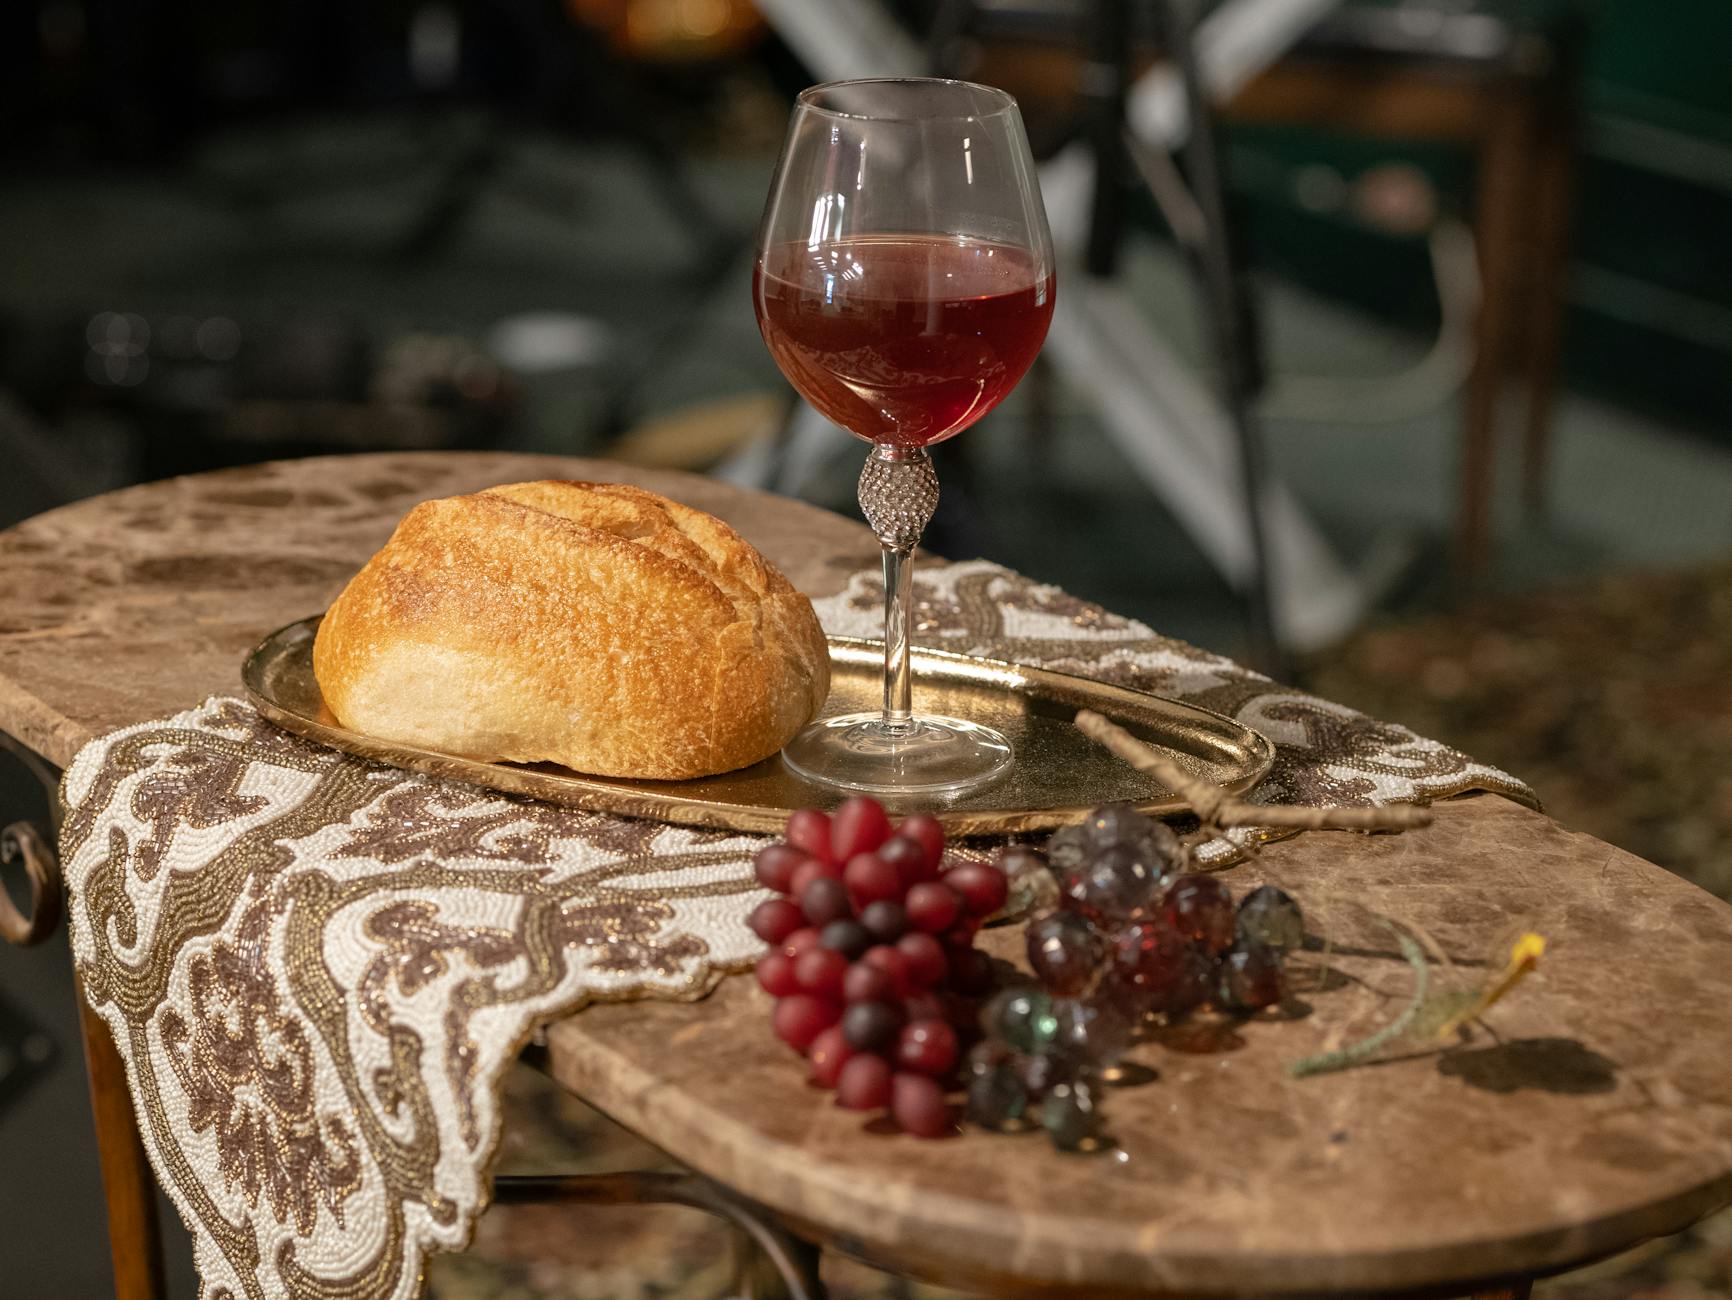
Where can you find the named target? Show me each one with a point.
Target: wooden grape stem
(1216, 808)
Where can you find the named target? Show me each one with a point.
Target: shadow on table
(1560, 1065)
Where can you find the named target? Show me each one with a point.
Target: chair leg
(133, 1238)
(1553, 203)
(1501, 192)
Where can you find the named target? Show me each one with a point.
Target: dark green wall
(1651, 291)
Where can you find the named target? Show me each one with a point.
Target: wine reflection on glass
(904, 284)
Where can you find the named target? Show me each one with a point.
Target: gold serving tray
(1058, 773)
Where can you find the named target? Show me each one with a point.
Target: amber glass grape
(1269, 916)
(1021, 1018)
(1201, 909)
(1092, 1033)
(1162, 969)
(1065, 951)
(1071, 1116)
(996, 1097)
(1115, 886)
(1252, 978)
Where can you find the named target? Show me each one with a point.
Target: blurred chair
(1474, 76)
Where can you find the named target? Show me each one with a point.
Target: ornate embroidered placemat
(317, 969)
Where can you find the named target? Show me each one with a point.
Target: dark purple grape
(821, 971)
(996, 1097)
(982, 888)
(872, 1026)
(971, 971)
(1252, 978)
(1021, 1018)
(774, 919)
(927, 1047)
(1093, 1034)
(1161, 969)
(775, 865)
(809, 831)
(1201, 909)
(928, 832)
(1065, 951)
(828, 1053)
(1270, 917)
(927, 964)
(858, 826)
(824, 900)
(849, 938)
(1071, 1116)
(885, 921)
(1115, 886)
(869, 878)
(775, 972)
(908, 858)
(866, 983)
(932, 906)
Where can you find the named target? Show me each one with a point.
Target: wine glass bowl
(904, 285)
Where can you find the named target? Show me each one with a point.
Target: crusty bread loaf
(590, 624)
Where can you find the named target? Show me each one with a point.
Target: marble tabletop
(1597, 1112)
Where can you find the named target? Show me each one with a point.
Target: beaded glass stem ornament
(904, 285)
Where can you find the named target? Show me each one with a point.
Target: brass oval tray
(1058, 773)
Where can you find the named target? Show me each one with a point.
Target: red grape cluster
(1135, 935)
(872, 960)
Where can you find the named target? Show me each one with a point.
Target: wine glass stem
(898, 493)
(898, 676)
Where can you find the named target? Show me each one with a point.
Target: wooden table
(1599, 1115)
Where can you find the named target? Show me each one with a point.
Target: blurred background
(1481, 325)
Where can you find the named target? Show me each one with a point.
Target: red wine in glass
(903, 340)
(904, 285)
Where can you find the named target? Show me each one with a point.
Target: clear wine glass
(904, 285)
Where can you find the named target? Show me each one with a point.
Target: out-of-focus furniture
(1506, 92)
(1420, 70)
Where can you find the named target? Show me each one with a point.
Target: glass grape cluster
(872, 960)
(1135, 935)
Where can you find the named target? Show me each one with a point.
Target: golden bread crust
(594, 625)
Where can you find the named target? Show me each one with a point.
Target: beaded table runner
(317, 969)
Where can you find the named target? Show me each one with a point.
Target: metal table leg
(133, 1237)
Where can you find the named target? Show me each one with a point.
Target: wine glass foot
(927, 755)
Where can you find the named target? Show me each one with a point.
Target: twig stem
(1215, 807)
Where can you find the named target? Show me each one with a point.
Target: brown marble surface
(1601, 1113)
